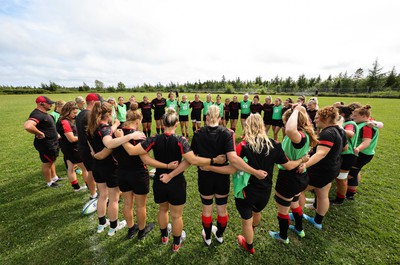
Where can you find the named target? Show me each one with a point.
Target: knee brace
(342, 175)
(295, 198)
(353, 181)
(206, 201)
(282, 201)
(221, 201)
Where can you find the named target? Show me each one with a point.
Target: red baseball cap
(43, 99)
(93, 97)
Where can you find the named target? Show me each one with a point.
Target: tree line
(375, 80)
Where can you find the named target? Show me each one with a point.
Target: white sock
(94, 195)
(49, 183)
(54, 179)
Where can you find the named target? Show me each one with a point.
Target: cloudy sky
(75, 41)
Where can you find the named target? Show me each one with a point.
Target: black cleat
(132, 231)
(142, 234)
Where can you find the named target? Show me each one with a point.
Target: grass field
(44, 226)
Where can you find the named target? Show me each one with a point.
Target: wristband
(212, 161)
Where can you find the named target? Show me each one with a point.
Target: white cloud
(70, 42)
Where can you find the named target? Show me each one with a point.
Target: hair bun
(134, 106)
(170, 110)
(367, 106)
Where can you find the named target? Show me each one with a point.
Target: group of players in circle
(105, 141)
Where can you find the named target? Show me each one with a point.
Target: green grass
(44, 226)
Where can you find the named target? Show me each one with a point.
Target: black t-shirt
(126, 161)
(159, 106)
(256, 108)
(334, 138)
(45, 124)
(234, 108)
(268, 108)
(96, 141)
(210, 142)
(196, 107)
(81, 123)
(262, 161)
(166, 148)
(146, 109)
(63, 127)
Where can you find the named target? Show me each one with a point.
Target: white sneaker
(312, 200)
(80, 188)
(183, 235)
(111, 231)
(206, 241)
(164, 240)
(100, 228)
(214, 231)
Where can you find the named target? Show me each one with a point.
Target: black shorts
(289, 183)
(226, 117)
(254, 201)
(348, 161)
(137, 181)
(321, 178)
(105, 174)
(47, 153)
(278, 123)
(234, 116)
(195, 117)
(87, 160)
(214, 184)
(267, 121)
(174, 192)
(183, 117)
(146, 119)
(72, 155)
(158, 116)
(244, 116)
(362, 160)
(204, 117)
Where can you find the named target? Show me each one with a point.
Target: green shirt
(221, 109)
(121, 115)
(370, 150)
(245, 107)
(172, 104)
(55, 116)
(353, 140)
(206, 105)
(277, 112)
(292, 152)
(183, 108)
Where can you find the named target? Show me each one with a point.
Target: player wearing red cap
(42, 126)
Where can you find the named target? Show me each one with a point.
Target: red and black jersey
(268, 108)
(256, 108)
(234, 108)
(146, 110)
(159, 106)
(96, 141)
(45, 124)
(196, 107)
(333, 137)
(284, 109)
(210, 142)
(63, 127)
(366, 132)
(311, 114)
(126, 161)
(81, 123)
(166, 148)
(276, 155)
